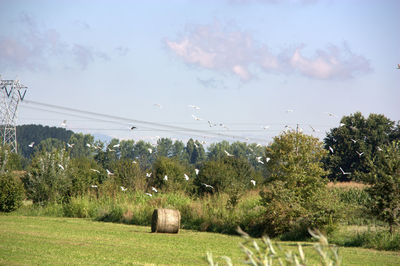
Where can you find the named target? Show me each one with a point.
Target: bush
(11, 192)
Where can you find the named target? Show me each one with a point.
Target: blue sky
(245, 63)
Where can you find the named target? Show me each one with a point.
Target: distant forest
(26, 134)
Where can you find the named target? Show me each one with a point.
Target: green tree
(127, 149)
(384, 179)
(129, 175)
(49, 144)
(195, 152)
(82, 145)
(296, 196)
(165, 147)
(354, 143)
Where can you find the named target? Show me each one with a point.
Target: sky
(236, 70)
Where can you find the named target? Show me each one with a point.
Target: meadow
(60, 241)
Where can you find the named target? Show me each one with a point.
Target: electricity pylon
(12, 92)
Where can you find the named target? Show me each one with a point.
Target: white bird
(289, 111)
(94, 186)
(123, 189)
(109, 172)
(197, 171)
(166, 178)
(207, 186)
(116, 145)
(359, 153)
(87, 144)
(258, 145)
(150, 150)
(253, 182)
(227, 153)
(259, 159)
(64, 123)
(379, 148)
(148, 174)
(331, 149)
(196, 118)
(158, 105)
(341, 125)
(267, 159)
(353, 140)
(95, 170)
(31, 144)
(154, 189)
(110, 150)
(194, 106)
(62, 167)
(148, 194)
(70, 145)
(134, 161)
(330, 114)
(265, 127)
(345, 173)
(186, 177)
(211, 124)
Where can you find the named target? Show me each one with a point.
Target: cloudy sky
(253, 67)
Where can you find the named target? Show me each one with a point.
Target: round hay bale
(165, 221)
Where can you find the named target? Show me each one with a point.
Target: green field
(44, 240)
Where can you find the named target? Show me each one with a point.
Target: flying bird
(31, 144)
(166, 178)
(353, 140)
(88, 145)
(289, 111)
(330, 114)
(196, 118)
(94, 186)
(116, 145)
(267, 159)
(148, 174)
(197, 171)
(227, 153)
(148, 194)
(150, 150)
(265, 127)
(70, 145)
(211, 124)
(154, 189)
(158, 105)
(186, 177)
(194, 106)
(207, 186)
(133, 127)
(64, 123)
(123, 189)
(253, 182)
(359, 153)
(95, 170)
(62, 167)
(331, 149)
(379, 148)
(345, 173)
(259, 159)
(108, 172)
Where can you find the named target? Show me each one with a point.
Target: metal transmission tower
(12, 92)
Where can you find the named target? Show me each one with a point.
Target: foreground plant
(266, 255)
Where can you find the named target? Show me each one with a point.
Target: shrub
(11, 192)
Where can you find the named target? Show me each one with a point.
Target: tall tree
(385, 184)
(354, 143)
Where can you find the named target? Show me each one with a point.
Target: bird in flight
(166, 178)
(154, 189)
(108, 172)
(343, 172)
(123, 189)
(148, 174)
(196, 118)
(148, 194)
(64, 123)
(194, 107)
(359, 153)
(70, 145)
(116, 145)
(62, 167)
(353, 140)
(259, 159)
(197, 171)
(253, 182)
(95, 170)
(227, 153)
(186, 177)
(133, 127)
(94, 186)
(31, 144)
(207, 186)
(158, 105)
(331, 149)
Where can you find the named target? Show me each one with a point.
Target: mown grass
(51, 240)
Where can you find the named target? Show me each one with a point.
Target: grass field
(44, 240)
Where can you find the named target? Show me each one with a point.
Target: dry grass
(347, 185)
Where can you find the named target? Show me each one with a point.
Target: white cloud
(233, 51)
(33, 48)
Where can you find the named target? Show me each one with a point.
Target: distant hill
(27, 134)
